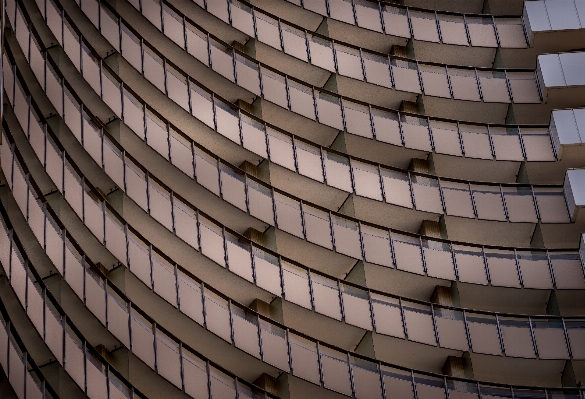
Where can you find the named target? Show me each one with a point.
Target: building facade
(293, 198)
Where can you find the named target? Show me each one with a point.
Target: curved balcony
(318, 282)
(511, 143)
(510, 328)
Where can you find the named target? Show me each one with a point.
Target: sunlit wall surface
(222, 199)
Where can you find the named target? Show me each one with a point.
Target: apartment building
(222, 199)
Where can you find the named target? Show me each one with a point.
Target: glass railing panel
(367, 180)
(484, 333)
(367, 15)
(387, 127)
(451, 328)
(35, 305)
(74, 358)
(8, 76)
(54, 20)
(470, 264)
(94, 290)
(133, 114)
(407, 253)
(424, 26)
(131, 50)
(506, 142)
(453, 29)
(168, 361)
(109, 27)
(239, 257)
(267, 30)
(190, 298)
(211, 241)
(92, 139)
(274, 90)
(357, 119)
(181, 152)
(172, 26)
(111, 93)
(494, 86)
(405, 74)
(524, 87)
(37, 61)
(217, 315)
(18, 274)
(305, 363)
(142, 339)
(296, 285)
(399, 382)
(54, 163)
(294, 42)
(207, 171)
(96, 382)
(335, 370)
(519, 204)
(416, 133)
(356, 305)
(221, 59)
(177, 88)
(118, 317)
(288, 215)
(377, 69)
(438, 259)
(537, 144)
(329, 110)
(349, 62)
(576, 337)
(419, 323)
(194, 376)
(164, 280)
(281, 149)
(71, 45)
(93, 215)
(248, 74)
(446, 137)
(91, 9)
(517, 337)
(396, 188)
(309, 160)
(464, 84)
(245, 327)
(91, 69)
(267, 271)
(321, 51)
(337, 170)
(242, 17)
(457, 199)
(434, 79)
(428, 387)
(366, 378)
(219, 9)
(376, 246)
(139, 259)
(202, 106)
(549, 336)
(233, 187)
(426, 192)
(115, 237)
(260, 201)
(301, 99)
(534, 269)
(21, 107)
(510, 32)
(476, 141)
(326, 296)
(222, 386)
(502, 268)
(197, 44)
(551, 205)
(341, 10)
(488, 202)
(462, 390)
(113, 162)
(19, 187)
(136, 185)
(16, 367)
(317, 226)
(227, 121)
(567, 269)
(74, 269)
(36, 133)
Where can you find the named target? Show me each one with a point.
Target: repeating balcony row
(437, 258)
(390, 19)
(24, 376)
(327, 296)
(500, 142)
(314, 361)
(86, 367)
(513, 203)
(163, 353)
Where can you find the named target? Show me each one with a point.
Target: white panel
(572, 64)
(562, 15)
(537, 16)
(549, 66)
